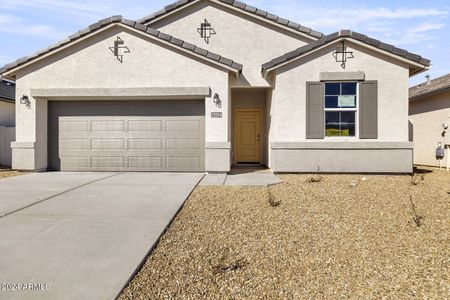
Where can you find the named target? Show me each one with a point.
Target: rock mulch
(5, 172)
(343, 236)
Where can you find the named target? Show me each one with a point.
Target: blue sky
(420, 26)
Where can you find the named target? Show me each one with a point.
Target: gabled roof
(329, 39)
(242, 6)
(7, 91)
(434, 87)
(205, 54)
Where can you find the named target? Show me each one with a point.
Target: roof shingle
(145, 29)
(242, 6)
(438, 85)
(7, 90)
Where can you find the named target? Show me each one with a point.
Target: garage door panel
(146, 162)
(78, 144)
(183, 125)
(108, 144)
(75, 163)
(69, 126)
(148, 142)
(183, 144)
(145, 126)
(183, 162)
(107, 162)
(108, 126)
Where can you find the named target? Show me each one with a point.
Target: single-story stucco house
(7, 103)
(205, 84)
(429, 114)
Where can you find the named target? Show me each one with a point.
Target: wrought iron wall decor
(119, 49)
(342, 55)
(206, 31)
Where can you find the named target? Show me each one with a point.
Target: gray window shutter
(368, 110)
(315, 102)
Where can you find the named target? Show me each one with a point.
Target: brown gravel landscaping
(336, 236)
(5, 172)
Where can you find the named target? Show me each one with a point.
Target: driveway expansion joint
(58, 194)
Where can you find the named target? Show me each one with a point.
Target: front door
(248, 136)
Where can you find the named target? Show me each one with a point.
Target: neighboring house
(202, 85)
(7, 103)
(429, 112)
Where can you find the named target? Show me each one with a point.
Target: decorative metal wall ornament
(206, 31)
(342, 55)
(119, 49)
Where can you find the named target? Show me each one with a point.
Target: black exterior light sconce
(217, 100)
(25, 100)
(342, 55)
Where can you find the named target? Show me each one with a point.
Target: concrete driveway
(82, 235)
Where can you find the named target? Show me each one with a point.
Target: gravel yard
(5, 172)
(340, 237)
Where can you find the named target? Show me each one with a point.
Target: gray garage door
(126, 136)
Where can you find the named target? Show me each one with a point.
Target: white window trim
(356, 110)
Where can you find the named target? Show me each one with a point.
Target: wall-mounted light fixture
(25, 100)
(217, 100)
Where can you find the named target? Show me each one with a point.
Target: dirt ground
(311, 237)
(6, 172)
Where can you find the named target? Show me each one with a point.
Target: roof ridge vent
(428, 77)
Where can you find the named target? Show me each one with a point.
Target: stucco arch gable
(85, 38)
(149, 63)
(363, 59)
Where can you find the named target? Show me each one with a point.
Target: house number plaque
(216, 115)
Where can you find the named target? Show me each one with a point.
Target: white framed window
(341, 109)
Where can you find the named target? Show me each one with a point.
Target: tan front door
(248, 136)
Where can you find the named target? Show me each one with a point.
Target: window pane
(331, 102)
(348, 130)
(332, 89)
(349, 88)
(332, 130)
(332, 117)
(348, 117)
(347, 101)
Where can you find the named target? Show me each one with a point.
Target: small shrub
(316, 178)
(417, 178)
(273, 201)
(416, 218)
(228, 265)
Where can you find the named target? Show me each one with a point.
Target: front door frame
(261, 129)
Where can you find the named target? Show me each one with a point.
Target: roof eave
(241, 8)
(7, 100)
(419, 66)
(102, 25)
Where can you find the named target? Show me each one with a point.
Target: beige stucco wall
(242, 38)
(289, 97)
(288, 115)
(91, 64)
(7, 114)
(427, 116)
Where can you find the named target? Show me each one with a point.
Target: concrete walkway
(242, 177)
(87, 233)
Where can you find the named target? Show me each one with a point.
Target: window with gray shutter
(315, 110)
(368, 110)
